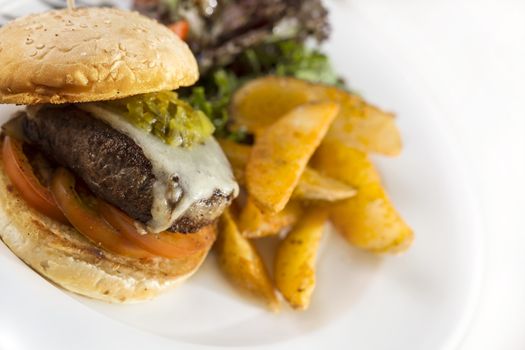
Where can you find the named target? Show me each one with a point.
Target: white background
(474, 66)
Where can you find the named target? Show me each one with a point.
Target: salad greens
(238, 40)
(214, 90)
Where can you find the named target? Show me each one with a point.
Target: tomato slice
(87, 221)
(181, 28)
(20, 172)
(167, 244)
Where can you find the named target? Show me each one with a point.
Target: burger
(110, 184)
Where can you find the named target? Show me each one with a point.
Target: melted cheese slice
(184, 176)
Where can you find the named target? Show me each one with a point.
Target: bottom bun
(64, 256)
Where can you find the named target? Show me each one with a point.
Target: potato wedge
(294, 267)
(281, 152)
(241, 263)
(254, 223)
(368, 220)
(363, 126)
(312, 184)
(238, 155)
(317, 187)
(261, 102)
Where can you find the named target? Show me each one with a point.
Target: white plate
(421, 300)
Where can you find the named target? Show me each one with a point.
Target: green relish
(165, 116)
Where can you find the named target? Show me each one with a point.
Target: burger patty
(112, 165)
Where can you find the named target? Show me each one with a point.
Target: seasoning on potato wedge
(254, 223)
(294, 268)
(281, 152)
(312, 185)
(241, 263)
(315, 186)
(261, 102)
(368, 220)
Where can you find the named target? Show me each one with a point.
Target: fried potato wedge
(294, 268)
(254, 223)
(238, 155)
(362, 126)
(281, 152)
(241, 263)
(261, 102)
(368, 220)
(312, 184)
(317, 187)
